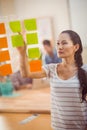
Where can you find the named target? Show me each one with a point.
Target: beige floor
(12, 122)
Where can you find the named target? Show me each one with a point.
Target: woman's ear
(76, 47)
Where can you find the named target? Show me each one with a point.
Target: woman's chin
(61, 56)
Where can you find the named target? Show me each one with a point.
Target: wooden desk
(12, 122)
(30, 101)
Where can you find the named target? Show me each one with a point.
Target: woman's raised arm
(24, 66)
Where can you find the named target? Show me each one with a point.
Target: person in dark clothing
(19, 82)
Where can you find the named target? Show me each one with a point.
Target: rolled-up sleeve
(47, 69)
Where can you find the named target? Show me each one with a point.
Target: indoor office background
(63, 15)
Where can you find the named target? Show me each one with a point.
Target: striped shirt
(67, 111)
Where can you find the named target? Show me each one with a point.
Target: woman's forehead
(64, 37)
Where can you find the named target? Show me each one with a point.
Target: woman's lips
(60, 52)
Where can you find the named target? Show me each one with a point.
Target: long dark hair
(82, 75)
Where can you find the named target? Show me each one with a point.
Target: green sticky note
(30, 24)
(32, 38)
(15, 26)
(34, 53)
(17, 40)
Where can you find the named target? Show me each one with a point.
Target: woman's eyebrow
(61, 41)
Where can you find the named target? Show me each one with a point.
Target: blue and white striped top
(67, 111)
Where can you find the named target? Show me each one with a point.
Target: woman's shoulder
(84, 66)
(50, 66)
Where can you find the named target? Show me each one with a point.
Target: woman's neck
(69, 61)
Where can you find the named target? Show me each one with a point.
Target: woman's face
(65, 46)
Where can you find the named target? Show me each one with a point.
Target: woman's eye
(58, 43)
(64, 43)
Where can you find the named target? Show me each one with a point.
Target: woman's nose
(60, 46)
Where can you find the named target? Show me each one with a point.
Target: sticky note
(5, 69)
(17, 40)
(2, 28)
(32, 38)
(4, 56)
(33, 53)
(30, 24)
(3, 42)
(35, 65)
(15, 26)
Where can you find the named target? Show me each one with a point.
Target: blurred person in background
(19, 82)
(51, 53)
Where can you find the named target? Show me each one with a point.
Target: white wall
(57, 9)
(7, 7)
(78, 12)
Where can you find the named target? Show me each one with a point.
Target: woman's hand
(22, 49)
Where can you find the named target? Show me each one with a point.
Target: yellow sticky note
(17, 40)
(15, 26)
(34, 53)
(32, 38)
(30, 24)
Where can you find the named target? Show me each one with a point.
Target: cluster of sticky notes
(17, 40)
(31, 39)
(5, 69)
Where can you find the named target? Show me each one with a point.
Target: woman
(68, 81)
